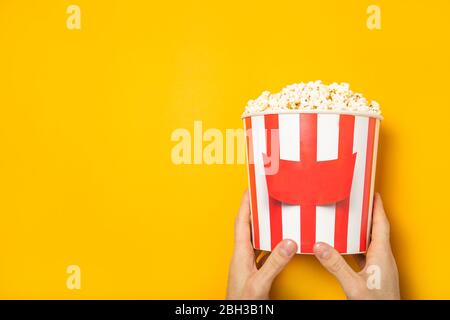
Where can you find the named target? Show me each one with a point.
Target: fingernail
(322, 251)
(288, 248)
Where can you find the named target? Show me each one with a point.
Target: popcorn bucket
(311, 177)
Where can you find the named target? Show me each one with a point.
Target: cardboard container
(311, 177)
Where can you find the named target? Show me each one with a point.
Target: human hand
(378, 262)
(245, 280)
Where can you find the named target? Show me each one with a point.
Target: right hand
(378, 278)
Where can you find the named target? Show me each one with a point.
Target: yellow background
(86, 117)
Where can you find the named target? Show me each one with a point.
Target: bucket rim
(297, 111)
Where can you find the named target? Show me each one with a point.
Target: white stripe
(289, 130)
(290, 215)
(262, 196)
(327, 136)
(327, 149)
(357, 191)
(374, 166)
(249, 184)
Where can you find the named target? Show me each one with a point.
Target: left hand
(245, 280)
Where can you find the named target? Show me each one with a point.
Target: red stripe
(367, 183)
(308, 153)
(273, 149)
(346, 130)
(251, 173)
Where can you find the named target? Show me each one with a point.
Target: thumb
(337, 266)
(276, 261)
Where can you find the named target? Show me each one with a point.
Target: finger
(380, 226)
(276, 261)
(336, 265)
(242, 229)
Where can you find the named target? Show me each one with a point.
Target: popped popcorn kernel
(313, 95)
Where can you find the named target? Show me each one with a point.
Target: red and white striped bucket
(311, 177)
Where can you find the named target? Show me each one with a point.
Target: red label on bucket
(311, 183)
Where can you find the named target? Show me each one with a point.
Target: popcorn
(313, 96)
